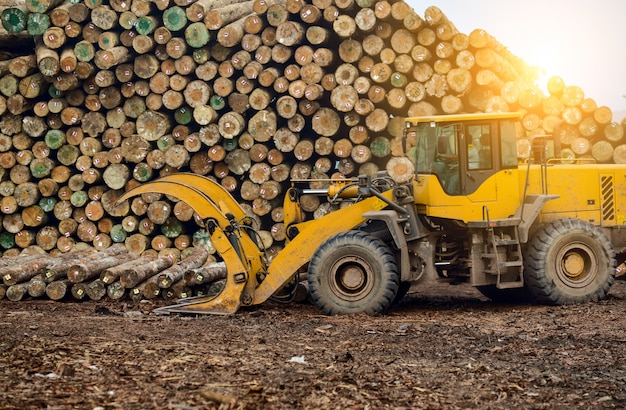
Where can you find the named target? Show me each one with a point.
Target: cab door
(477, 145)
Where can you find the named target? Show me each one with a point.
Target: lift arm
(299, 251)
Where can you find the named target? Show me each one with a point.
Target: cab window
(479, 152)
(509, 147)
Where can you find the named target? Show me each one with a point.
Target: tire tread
(387, 259)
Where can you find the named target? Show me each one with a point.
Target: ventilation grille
(608, 197)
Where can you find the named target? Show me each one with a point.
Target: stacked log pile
(114, 272)
(252, 93)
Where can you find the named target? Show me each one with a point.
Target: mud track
(445, 348)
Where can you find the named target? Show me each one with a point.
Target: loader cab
(463, 150)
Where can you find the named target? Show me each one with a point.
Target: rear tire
(569, 261)
(353, 272)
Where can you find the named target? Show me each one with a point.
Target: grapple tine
(226, 303)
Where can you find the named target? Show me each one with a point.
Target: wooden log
(179, 290)
(262, 125)
(401, 169)
(115, 176)
(20, 66)
(260, 99)
(603, 115)
(217, 18)
(174, 18)
(231, 34)
(614, 132)
(95, 290)
(152, 125)
(116, 290)
(112, 274)
(602, 151)
(325, 122)
(206, 274)
(84, 271)
(344, 98)
(48, 60)
(580, 146)
(176, 272)
(14, 19)
(105, 59)
(290, 33)
(24, 271)
(572, 96)
(58, 289)
(132, 277)
(619, 154)
(572, 115)
(36, 287)
(104, 17)
(197, 35)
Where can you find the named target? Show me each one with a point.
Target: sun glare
(546, 57)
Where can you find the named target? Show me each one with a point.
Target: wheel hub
(351, 278)
(573, 265)
(578, 265)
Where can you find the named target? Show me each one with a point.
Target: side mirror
(408, 132)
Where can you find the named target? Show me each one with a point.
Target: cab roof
(463, 117)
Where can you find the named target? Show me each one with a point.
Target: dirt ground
(445, 347)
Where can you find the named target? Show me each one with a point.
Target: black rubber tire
(353, 272)
(569, 261)
(403, 289)
(505, 296)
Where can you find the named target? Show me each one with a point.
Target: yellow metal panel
(591, 192)
(211, 188)
(577, 187)
(499, 193)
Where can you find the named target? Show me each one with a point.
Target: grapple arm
(222, 213)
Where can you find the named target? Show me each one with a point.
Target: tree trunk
(82, 272)
(132, 277)
(175, 273)
(207, 274)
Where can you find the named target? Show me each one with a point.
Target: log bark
(175, 273)
(58, 289)
(84, 271)
(217, 18)
(112, 274)
(12, 275)
(132, 277)
(207, 274)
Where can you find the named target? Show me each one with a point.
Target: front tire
(569, 261)
(353, 272)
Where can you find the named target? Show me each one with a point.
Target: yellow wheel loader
(545, 229)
